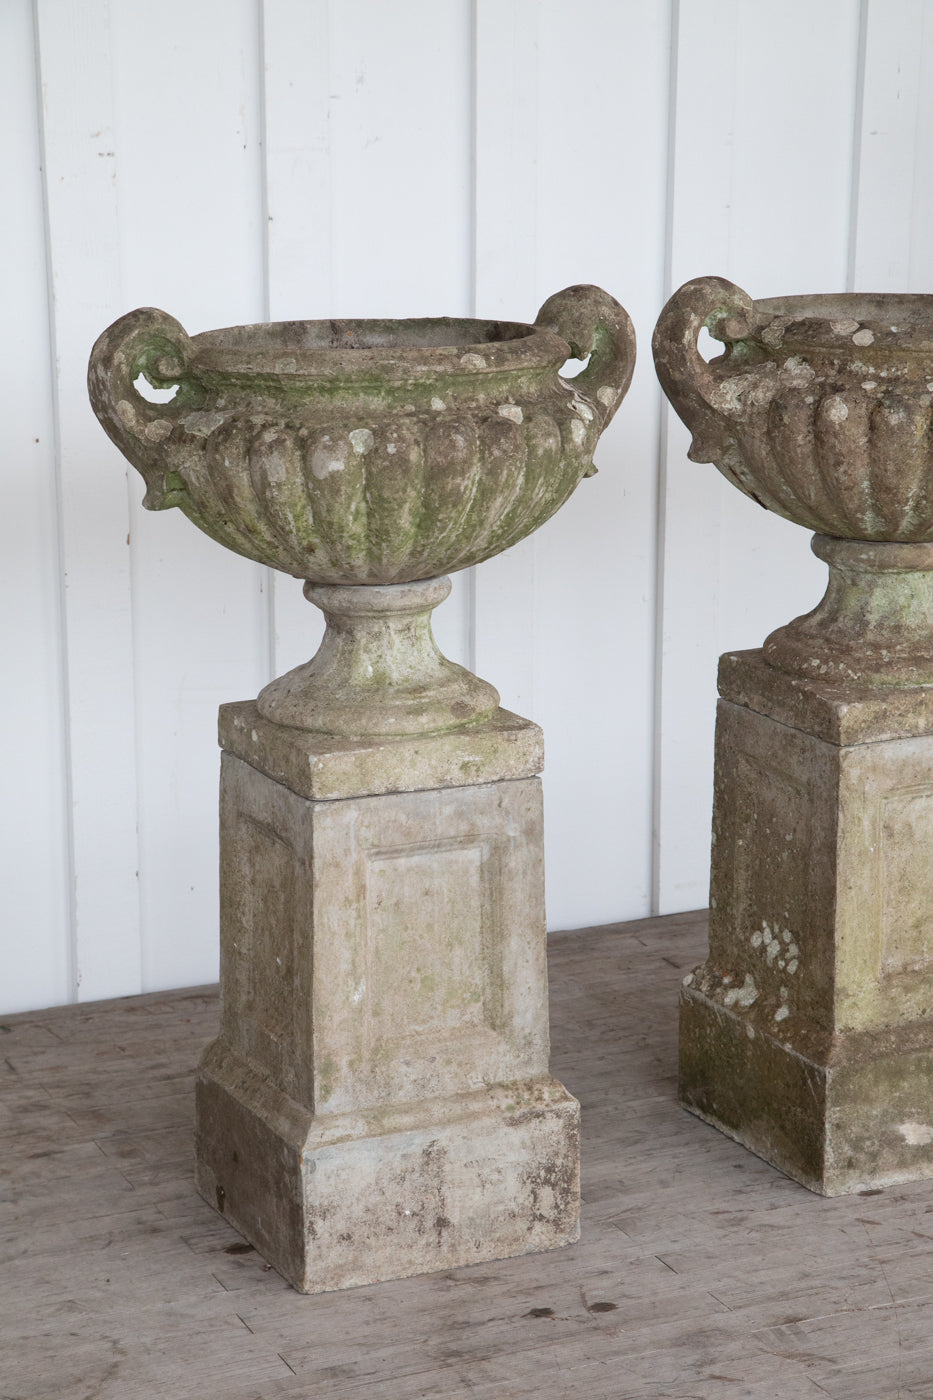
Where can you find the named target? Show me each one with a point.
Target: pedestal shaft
(808, 1034)
(378, 1101)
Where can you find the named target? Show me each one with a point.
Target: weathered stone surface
(819, 408)
(325, 766)
(364, 456)
(487, 1175)
(808, 1034)
(378, 670)
(378, 1101)
(873, 627)
(366, 452)
(840, 714)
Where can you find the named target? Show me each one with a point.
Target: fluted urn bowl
(374, 455)
(821, 409)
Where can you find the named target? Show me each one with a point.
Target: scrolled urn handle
(689, 382)
(595, 325)
(151, 343)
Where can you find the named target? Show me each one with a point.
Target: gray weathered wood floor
(701, 1274)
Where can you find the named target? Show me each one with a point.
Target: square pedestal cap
(840, 714)
(325, 767)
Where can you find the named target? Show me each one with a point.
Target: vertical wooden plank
(505, 58)
(564, 622)
(84, 256)
(401, 156)
(191, 241)
(368, 193)
(892, 250)
(765, 107)
(298, 98)
(601, 218)
(298, 103)
(34, 937)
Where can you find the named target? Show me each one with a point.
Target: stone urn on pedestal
(378, 1101)
(808, 1033)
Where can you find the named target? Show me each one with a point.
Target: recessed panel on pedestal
(807, 1033)
(382, 1066)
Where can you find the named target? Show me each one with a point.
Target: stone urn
(378, 1101)
(821, 409)
(371, 459)
(808, 1033)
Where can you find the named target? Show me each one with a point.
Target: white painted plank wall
(368, 193)
(241, 159)
(891, 243)
(189, 189)
(764, 124)
(76, 74)
(506, 65)
(601, 219)
(35, 915)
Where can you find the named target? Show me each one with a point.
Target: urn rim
(841, 321)
(384, 350)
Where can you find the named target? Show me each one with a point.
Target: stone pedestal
(378, 1101)
(808, 1035)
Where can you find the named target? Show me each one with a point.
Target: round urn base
(378, 671)
(873, 626)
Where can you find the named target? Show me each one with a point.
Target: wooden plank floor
(701, 1273)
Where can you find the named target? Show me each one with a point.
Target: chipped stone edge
(841, 715)
(324, 767)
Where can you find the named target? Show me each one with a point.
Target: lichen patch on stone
(744, 995)
(202, 424)
(916, 1134)
(836, 409)
(797, 373)
(324, 460)
(362, 440)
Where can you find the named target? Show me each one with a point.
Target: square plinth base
(808, 1033)
(850, 1113)
(378, 1101)
(388, 1193)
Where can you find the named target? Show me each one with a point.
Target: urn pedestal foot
(378, 1101)
(874, 625)
(808, 1034)
(378, 670)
